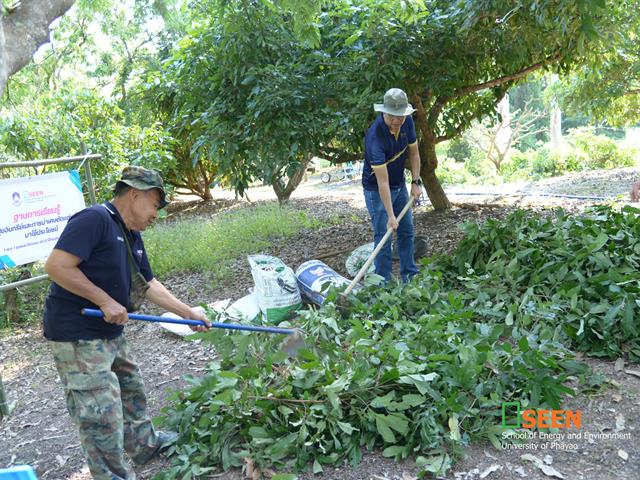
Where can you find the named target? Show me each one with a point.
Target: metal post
(22, 283)
(88, 175)
(50, 161)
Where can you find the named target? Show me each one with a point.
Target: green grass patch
(23, 306)
(196, 244)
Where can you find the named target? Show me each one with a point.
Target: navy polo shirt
(94, 235)
(381, 147)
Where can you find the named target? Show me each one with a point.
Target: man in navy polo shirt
(390, 140)
(94, 265)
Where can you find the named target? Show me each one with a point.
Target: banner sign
(34, 212)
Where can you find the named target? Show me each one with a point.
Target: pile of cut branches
(576, 274)
(422, 369)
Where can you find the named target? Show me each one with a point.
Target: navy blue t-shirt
(381, 147)
(94, 235)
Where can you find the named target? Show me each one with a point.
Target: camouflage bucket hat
(142, 178)
(395, 103)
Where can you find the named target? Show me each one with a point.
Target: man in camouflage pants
(100, 262)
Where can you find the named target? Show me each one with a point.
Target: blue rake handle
(90, 312)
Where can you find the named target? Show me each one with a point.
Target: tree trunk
(283, 192)
(555, 126)
(206, 196)
(4, 68)
(504, 132)
(428, 166)
(206, 179)
(191, 181)
(23, 30)
(429, 159)
(11, 308)
(4, 406)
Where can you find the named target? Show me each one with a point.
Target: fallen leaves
(490, 470)
(620, 422)
(548, 470)
(619, 365)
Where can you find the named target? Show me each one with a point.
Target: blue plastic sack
(315, 278)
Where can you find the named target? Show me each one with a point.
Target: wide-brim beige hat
(395, 103)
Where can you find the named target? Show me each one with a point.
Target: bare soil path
(39, 431)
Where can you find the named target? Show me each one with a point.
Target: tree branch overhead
(23, 29)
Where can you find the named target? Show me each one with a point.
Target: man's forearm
(385, 196)
(162, 297)
(415, 164)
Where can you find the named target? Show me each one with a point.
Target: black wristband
(417, 181)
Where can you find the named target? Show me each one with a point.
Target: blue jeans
(378, 214)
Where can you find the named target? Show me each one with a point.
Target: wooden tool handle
(375, 252)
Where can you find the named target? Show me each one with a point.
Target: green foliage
(531, 95)
(478, 166)
(58, 125)
(601, 151)
(97, 44)
(244, 95)
(196, 245)
(460, 149)
(583, 151)
(421, 369)
(476, 169)
(540, 163)
(577, 275)
(241, 90)
(412, 370)
(239, 97)
(480, 40)
(606, 86)
(24, 304)
(517, 165)
(78, 90)
(451, 172)
(547, 163)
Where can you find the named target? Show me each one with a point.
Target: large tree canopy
(245, 95)
(457, 59)
(607, 86)
(249, 90)
(23, 28)
(259, 101)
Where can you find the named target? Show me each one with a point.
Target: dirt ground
(39, 431)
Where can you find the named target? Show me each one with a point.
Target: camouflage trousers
(106, 400)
